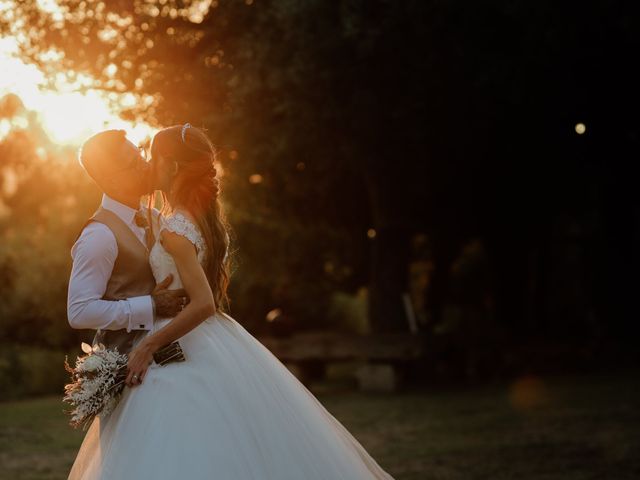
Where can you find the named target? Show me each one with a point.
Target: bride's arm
(200, 307)
(195, 282)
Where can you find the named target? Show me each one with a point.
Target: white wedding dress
(231, 411)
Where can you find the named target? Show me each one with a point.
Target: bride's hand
(139, 360)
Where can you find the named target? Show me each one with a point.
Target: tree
(446, 118)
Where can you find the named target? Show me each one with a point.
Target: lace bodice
(162, 263)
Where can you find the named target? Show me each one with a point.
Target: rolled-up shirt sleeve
(94, 255)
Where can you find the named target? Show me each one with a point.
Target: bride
(231, 410)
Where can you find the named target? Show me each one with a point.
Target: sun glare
(72, 112)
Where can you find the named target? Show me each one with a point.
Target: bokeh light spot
(272, 315)
(528, 392)
(255, 178)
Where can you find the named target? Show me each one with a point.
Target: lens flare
(73, 111)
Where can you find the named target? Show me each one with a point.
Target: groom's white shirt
(94, 255)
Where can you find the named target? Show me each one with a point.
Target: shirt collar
(123, 211)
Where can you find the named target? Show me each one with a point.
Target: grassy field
(562, 427)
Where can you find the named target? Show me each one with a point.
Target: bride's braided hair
(196, 187)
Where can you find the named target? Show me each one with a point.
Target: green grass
(35, 441)
(564, 427)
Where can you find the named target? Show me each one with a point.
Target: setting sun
(70, 113)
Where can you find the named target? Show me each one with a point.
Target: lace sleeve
(180, 224)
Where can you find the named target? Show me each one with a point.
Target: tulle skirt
(231, 411)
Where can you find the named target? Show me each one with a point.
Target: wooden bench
(381, 357)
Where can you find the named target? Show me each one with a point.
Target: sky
(71, 112)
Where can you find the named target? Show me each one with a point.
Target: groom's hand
(168, 302)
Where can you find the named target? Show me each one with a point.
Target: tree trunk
(389, 275)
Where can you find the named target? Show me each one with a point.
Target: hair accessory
(184, 130)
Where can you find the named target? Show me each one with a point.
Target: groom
(112, 288)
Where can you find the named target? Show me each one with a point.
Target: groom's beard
(148, 185)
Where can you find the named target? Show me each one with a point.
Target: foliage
(451, 119)
(45, 200)
(31, 370)
(273, 83)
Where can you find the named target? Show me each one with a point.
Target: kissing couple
(144, 278)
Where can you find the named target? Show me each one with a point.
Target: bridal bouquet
(98, 380)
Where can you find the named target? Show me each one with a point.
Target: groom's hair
(100, 152)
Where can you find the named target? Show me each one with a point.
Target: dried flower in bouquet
(98, 379)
